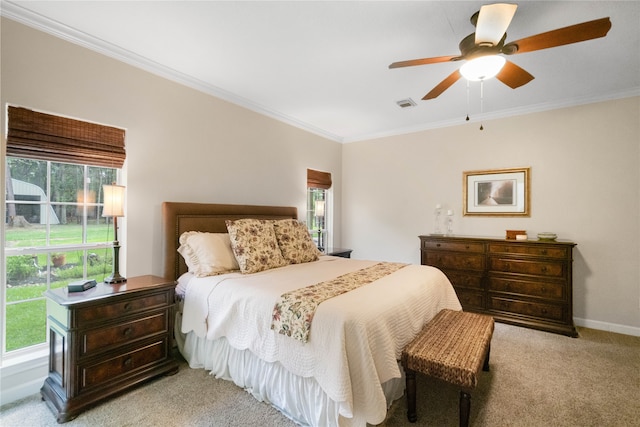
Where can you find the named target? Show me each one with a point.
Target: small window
(318, 207)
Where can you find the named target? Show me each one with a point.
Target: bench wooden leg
(485, 367)
(465, 408)
(411, 395)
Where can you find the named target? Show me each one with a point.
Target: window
(318, 207)
(54, 232)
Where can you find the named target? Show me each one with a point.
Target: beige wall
(585, 186)
(182, 145)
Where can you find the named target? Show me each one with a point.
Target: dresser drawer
(453, 246)
(97, 340)
(534, 250)
(98, 373)
(547, 268)
(453, 260)
(463, 280)
(533, 309)
(540, 289)
(124, 307)
(470, 300)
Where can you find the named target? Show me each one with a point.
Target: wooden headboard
(178, 217)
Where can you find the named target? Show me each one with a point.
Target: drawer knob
(507, 286)
(466, 246)
(437, 245)
(543, 269)
(543, 252)
(127, 332)
(127, 306)
(127, 362)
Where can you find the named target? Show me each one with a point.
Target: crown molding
(512, 112)
(24, 16)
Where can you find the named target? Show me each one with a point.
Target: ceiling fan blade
(513, 75)
(443, 85)
(567, 35)
(424, 61)
(493, 21)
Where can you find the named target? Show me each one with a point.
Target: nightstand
(341, 252)
(106, 340)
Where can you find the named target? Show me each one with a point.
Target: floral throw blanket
(293, 312)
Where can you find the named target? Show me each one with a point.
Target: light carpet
(536, 379)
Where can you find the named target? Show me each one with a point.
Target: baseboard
(609, 327)
(22, 379)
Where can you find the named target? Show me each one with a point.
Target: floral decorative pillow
(295, 242)
(255, 245)
(207, 254)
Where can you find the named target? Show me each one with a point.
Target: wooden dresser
(106, 340)
(522, 282)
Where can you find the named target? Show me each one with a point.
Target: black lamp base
(115, 276)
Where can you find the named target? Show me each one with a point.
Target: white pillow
(207, 254)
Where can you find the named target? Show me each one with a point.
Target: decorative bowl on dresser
(522, 282)
(106, 340)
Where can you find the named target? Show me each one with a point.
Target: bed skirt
(298, 398)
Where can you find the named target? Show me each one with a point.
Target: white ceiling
(323, 66)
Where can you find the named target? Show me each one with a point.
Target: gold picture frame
(497, 192)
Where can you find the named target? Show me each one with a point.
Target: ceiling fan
(488, 41)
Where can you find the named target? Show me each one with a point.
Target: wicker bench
(452, 347)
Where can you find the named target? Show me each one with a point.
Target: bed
(343, 370)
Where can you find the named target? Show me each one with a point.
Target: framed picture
(497, 192)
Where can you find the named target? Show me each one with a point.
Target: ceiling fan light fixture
(482, 68)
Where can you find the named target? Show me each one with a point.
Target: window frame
(47, 247)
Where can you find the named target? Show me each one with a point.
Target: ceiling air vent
(406, 103)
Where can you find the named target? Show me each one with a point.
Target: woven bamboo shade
(41, 136)
(318, 179)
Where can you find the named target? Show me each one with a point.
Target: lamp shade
(319, 208)
(113, 200)
(482, 68)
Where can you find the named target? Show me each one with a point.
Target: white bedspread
(355, 339)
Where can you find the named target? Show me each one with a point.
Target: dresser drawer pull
(437, 245)
(507, 286)
(127, 332)
(543, 269)
(466, 246)
(127, 306)
(127, 363)
(543, 252)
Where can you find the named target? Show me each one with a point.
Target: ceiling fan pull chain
(467, 119)
(481, 102)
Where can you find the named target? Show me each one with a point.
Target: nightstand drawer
(124, 307)
(96, 340)
(97, 374)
